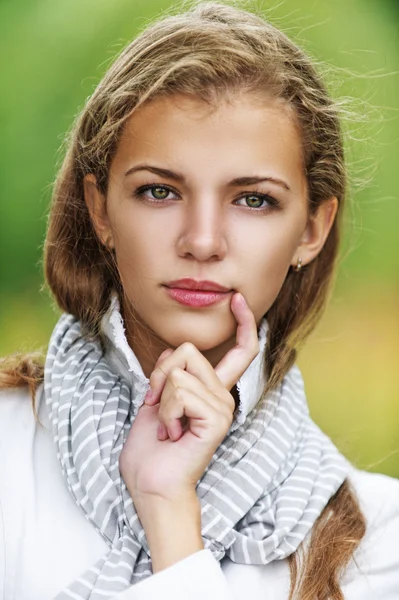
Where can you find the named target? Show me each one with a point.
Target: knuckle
(231, 406)
(188, 348)
(228, 417)
(231, 410)
(175, 374)
(179, 394)
(161, 358)
(155, 377)
(162, 413)
(228, 401)
(166, 416)
(226, 408)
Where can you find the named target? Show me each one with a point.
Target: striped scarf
(260, 495)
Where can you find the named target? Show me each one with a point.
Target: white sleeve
(374, 574)
(2, 554)
(2, 487)
(197, 577)
(3, 482)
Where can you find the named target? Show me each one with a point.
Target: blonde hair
(209, 52)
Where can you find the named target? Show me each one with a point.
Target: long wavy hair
(208, 51)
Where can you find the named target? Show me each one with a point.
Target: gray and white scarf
(260, 495)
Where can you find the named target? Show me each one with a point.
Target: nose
(203, 235)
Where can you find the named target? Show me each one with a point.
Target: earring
(298, 266)
(108, 243)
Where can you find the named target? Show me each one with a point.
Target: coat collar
(124, 362)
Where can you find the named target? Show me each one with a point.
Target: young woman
(192, 238)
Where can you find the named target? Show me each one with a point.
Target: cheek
(266, 259)
(272, 270)
(130, 234)
(271, 243)
(278, 250)
(139, 249)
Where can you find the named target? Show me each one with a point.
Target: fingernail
(161, 431)
(148, 397)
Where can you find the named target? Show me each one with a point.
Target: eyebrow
(238, 181)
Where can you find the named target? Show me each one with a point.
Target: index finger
(238, 359)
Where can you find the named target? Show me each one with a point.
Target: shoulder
(378, 496)
(17, 399)
(374, 572)
(16, 413)
(18, 429)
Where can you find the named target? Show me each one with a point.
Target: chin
(204, 331)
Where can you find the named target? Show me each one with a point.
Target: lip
(196, 298)
(191, 284)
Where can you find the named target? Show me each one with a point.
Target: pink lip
(195, 298)
(191, 284)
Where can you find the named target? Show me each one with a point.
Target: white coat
(46, 541)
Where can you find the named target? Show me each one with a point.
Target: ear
(316, 232)
(97, 207)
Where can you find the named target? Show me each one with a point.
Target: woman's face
(206, 194)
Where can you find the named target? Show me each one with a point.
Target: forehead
(242, 132)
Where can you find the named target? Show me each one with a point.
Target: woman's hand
(185, 387)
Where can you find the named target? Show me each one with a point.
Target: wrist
(172, 528)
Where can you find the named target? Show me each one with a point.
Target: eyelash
(272, 202)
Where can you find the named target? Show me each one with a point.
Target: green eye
(160, 193)
(153, 194)
(252, 200)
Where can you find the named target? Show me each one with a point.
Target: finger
(238, 359)
(229, 369)
(162, 432)
(150, 398)
(178, 379)
(164, 355)
(202, 417)
(188, 358)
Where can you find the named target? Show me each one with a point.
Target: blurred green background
(53, 54)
